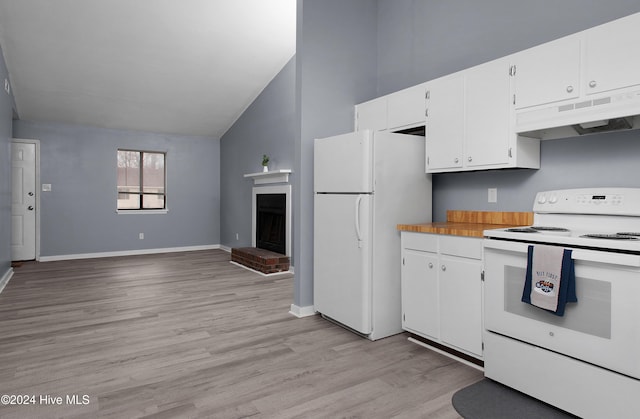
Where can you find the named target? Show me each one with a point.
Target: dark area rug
(488, 399)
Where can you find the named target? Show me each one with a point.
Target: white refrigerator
(365, 183)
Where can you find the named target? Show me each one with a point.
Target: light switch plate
(46, 187)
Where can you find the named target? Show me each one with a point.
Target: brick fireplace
(271, 231)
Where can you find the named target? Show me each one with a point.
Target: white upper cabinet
(547, 73)
(469, 125)
(445, 128)
(393, 112)
(487, 115)
(372, 115)
(406, 108)
(492, 116)
(597, 60)
(612, 58)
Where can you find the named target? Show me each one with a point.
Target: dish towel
(551, 281)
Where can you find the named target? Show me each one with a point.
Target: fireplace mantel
(273, 176)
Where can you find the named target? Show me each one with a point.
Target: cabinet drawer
(467, 247)
(419, 241)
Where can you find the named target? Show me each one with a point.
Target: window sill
(143, 212)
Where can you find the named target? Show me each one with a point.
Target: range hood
(612, 112)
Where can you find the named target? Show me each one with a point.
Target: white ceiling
(170, 66)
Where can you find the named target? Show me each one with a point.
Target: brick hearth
(261, 260)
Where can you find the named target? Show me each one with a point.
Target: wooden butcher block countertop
(471, 223)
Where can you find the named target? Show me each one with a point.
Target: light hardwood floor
(191, 335)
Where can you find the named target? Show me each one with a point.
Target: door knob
(30, 207)
(30, 194)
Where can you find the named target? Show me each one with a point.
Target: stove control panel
(605, 201)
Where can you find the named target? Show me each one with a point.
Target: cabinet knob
(469, 158)
(430, 265)
(444, 268)
(569, 89)
(456, 160)
(592, 83)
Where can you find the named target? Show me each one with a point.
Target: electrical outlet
(492, 195)
(237, 236)
(7, 86)
(141, 236)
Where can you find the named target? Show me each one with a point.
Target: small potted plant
(265, 162)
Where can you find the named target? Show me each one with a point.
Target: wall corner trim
(301, 312)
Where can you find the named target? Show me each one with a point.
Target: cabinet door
(547, 73)
(461, 303)
(406, 108)
(444, 130)
(487, 114)
(372, 115)
(419, 286)
(612, 61)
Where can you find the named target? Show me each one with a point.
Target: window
(141, 180)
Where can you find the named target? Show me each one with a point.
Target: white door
(548, 73)
(487, 114)
(420, 307)
(23, 202)
(372, 115)
(445, 123)
(344, 163)
(341, 259)
(609, 63)
(461, 298)
(406, 107)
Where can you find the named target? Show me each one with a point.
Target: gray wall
(266, 127)
(79, 214)
(349, 52)
(336, 68)
(6, 113)
(422, 40)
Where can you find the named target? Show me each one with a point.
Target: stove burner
(550, 229)
(522, 230)
(610, 236)
(633, 234)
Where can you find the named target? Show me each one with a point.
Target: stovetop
(604, 218)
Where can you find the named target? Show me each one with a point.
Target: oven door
(601, 328)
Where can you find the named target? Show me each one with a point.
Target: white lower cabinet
(442, 289)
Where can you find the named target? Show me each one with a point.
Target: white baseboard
(301, 312)
(128, 253)
(225, 248)
(5, 278)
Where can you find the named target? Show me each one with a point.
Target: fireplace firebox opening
(271, 222)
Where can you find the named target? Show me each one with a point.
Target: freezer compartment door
(342, 259)
(344, 163)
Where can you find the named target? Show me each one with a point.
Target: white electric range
(586, 362)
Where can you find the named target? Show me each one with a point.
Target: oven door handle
(580, 255)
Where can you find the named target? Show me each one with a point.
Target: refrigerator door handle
(357, 220)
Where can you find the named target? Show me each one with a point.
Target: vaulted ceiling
(186, 67)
